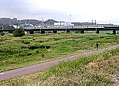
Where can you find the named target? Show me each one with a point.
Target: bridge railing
(66, 27)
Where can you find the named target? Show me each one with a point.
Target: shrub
(26, 42)
(33, 47)
(2, 33)
(39, 46)
(19, 32)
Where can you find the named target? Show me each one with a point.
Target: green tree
(19, 32)
(2, 33)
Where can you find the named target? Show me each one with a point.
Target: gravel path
(38, 67)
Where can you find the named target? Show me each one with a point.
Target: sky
(103, 11)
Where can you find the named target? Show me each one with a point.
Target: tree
(19, 32)
(2, 33)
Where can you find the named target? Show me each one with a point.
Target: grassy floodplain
(96, 70)
(18, 52)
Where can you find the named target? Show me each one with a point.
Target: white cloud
(80, 10)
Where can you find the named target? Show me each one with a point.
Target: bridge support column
(31, 32)
(114, 31)
(68, 31)
(42, 32)
(97, 31)
(26, 32)
(10, 31)
(82, 31)
(54, 31)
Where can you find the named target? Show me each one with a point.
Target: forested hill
(15, 21)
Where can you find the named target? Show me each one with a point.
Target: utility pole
(42, 24)
(70, 19)
(95, 22)
(60, 23)
(92, 21)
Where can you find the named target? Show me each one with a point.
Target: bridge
(67, 29)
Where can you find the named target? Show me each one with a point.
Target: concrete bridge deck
(81, 29)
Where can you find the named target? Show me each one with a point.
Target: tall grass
(18, 52)
(93, 70)
(76, 64)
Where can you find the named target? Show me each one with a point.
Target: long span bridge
(67, 29)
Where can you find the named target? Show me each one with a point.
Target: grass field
(23, 51)
(95, 70)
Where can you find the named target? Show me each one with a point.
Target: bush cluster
(19, 32)
(2, 33)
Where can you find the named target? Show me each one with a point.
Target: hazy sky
(104, 11)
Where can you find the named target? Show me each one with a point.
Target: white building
(63, 24)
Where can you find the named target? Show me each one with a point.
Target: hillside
(15, 21)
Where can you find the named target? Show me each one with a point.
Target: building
(62, 23)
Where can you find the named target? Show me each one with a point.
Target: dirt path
(38, 67)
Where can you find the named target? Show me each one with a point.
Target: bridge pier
(68, 31)
(10, 31)
(42, 32)
(31, 32)
(54, 31)
(114, 31)
(82, 31)
(97, 31)
(26, 32)
(1, 31)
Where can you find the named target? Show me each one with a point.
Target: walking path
(38, 67)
